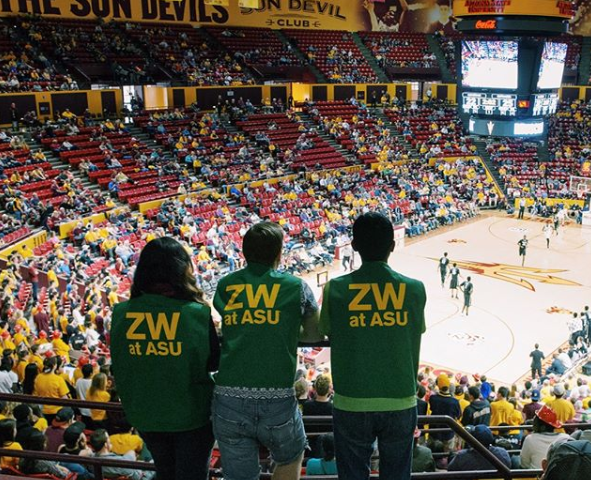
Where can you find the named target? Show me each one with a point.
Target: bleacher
(400, 50)
(256, 46)
(329, 51)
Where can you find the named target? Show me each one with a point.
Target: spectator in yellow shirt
(98, 393)
(49, 384)
(7, 434)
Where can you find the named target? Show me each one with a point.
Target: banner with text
(425, 16)
(540, 8)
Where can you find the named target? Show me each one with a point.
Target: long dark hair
(31, 372)
(165, 268)
(35, 441)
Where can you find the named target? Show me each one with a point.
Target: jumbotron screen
(490, 64)
(552, 65)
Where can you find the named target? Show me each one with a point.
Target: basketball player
(442, 267)
(556, 221)
(454, 273)
(523, 249)
(547, 233)
(467, 288)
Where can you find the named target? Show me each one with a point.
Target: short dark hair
(503, 392)
(98, 439)
(87, 370)
(263, 243)
(474, 392)
(373, 236)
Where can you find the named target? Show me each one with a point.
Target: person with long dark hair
(31, 372)
(163, 346)
(7, 440)
(37, 441)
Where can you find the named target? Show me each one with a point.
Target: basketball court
(513, 307)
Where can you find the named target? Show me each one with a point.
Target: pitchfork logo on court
(515, 274)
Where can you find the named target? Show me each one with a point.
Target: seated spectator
(7, 440)
(326, 465)
(75, 444)
(470, 459)
(422, 457)
(23, 414)
(568, 461)
(36, 441)
(55, 433)
(321, 404)
(101, 443)
(536, 444)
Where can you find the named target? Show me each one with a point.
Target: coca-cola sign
(486, 24)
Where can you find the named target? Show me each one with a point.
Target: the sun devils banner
(425, 16)
(353, 15)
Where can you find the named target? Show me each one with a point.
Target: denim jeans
(181, 455)
(355, 434)
(240, 425)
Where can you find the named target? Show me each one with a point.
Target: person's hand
(369, 5)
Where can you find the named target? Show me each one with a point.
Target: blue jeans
(355, 434)
(240, 425)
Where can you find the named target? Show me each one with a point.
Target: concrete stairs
(380, 73)
(211, 40)
(320, 78)
(309, 122)
(585, 62)
(543, 152)
(482, 152)
(446, 76)
(59, 164)
(379, 113)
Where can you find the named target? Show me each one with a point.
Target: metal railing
(498, 470)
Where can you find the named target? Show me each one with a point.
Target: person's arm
(213, 362)
(310, 332)
(373, 19)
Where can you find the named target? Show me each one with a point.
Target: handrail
(308, 420)
(450, 424)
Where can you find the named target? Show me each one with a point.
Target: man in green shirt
(374, 317)
(264, 314)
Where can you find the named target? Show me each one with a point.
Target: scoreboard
(503, 104)
(545, 104)
(508, 86)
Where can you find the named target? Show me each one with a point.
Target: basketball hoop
(581, 186)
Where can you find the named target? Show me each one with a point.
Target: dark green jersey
(262, 312)
(374, 318)
(160, 348)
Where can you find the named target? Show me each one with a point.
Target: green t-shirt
(375, 318)
(160, 348)
(261, 312)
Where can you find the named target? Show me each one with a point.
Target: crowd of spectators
(569, 154)
(23, 67)
(190, 55)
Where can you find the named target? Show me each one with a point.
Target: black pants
(181, 455)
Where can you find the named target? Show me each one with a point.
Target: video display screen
(490, 64)
(552, 65)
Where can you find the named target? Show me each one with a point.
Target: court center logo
(515, 274)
